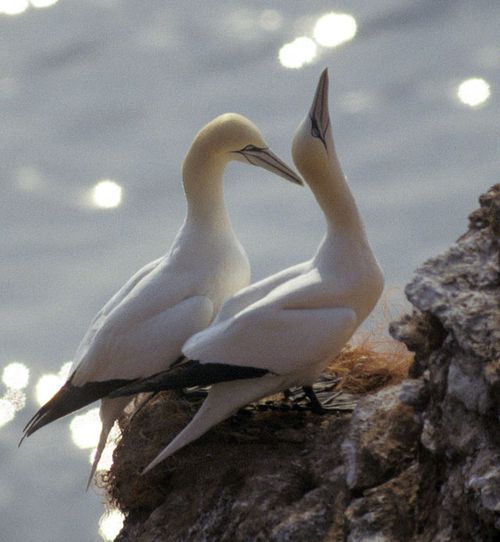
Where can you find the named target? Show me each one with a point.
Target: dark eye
(250, 148)
(315, 129)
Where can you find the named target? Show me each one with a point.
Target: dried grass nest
(359, 369)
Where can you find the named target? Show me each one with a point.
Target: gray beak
(318, 114)
(268, 160)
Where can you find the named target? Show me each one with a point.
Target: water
(114, 90)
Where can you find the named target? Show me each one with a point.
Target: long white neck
(345, 251)
(202, 177)
(337, 202)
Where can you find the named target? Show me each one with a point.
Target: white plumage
(141, 330)
(294, 322)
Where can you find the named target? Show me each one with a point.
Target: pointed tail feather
(110, 411)
(103, 438)
(222, 400)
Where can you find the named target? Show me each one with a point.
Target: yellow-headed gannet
(141, 330)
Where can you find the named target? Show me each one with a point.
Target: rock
(239, 490)
(418, 461)
(381, 440)
(458, 287)
(457, 294)
(386, 512)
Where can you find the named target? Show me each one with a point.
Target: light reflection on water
(49, 383)
(13, 7)
(106, 194)
(330, 30)
(85, 428)
(16, 7)
(15, 376)
(297, 53)
(333, 29)
(17, 398)
(7, 411)
(42, 3)
(473, 92)
(110, 525)
(10, 403)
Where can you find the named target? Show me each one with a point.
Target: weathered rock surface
(457, 367)
(418, 461)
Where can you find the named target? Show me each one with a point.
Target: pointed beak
(268, 160)
(318, 114)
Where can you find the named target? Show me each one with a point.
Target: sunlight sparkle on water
(295, 54)
(107, 194)
(473, 92)
(46, 387)
(13, 7)
(10, 403)
(333, 29)
(16, 375)
(85, 429)
(7, 411)
(110, 525)
(48, 384)
(42, 3)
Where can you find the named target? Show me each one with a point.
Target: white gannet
(283, 330)
(141, 330)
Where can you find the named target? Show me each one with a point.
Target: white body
(296, 321)
(141, 330)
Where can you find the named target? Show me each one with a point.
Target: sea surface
(99, 101)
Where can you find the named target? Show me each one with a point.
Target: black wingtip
(189, 374)
(69, 399)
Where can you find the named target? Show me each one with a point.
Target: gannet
(141, 330)
(283, 331)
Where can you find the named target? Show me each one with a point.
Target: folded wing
(279, 340)
(112, 360)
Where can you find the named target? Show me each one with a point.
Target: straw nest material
(273, 422)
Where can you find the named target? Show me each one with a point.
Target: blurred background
(99, 100)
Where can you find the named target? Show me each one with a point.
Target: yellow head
(233, 137)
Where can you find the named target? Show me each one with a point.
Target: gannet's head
(312, 147)
(234, 137)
